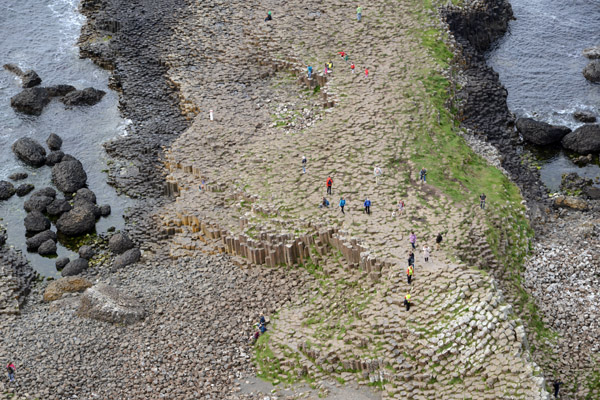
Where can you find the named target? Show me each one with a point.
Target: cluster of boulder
(591, 72)
(34, 98)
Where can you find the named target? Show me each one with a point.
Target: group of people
(260, 328)
(329, 65)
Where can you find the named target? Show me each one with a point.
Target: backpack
(10, 369)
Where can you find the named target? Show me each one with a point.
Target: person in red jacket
(329, 184)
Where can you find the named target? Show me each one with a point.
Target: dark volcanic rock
(76, 222)
(88, 96)
(86, 252)
(24, 189)
(7, 190)
(540, 133)
(58, 206)
(75, 267)
(59, 90)
(29, 151)
(119, 243)
(62, 262)
(105, 303)
(18, 176)
(129, 257)
(571, 182)
(36, 222)
(47, 191)
(69, 175)
(37, 203)
(583, 140)
(33, 243)
(592, 192)
(54, 142)
(47, 248)
(31, 101)
(84, 194)
(30, 79)
(584, 116)
(592, 71)
(54, 158)
(105, 210)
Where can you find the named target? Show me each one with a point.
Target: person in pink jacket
(413, 240)
(10, 367)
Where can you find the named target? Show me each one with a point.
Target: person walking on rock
(325, 70)
(342, 204)
(304, 164)
(411, 259)
(358, 13)
(329, 183)
(269, 17)
(309, 70)
(409, 273)
(11, 369)
(367, 206)
(407, 301)
(400, 207)
(366, 72)
(557, 383)
(377, 173)
(482, 201)
(413, 240)
(438, 240)
(426, 251)
(352, 66)
(423, 175)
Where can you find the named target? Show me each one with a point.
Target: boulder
(75, 267)
(30, 79)
(88, 97)
(572, 202)
(18, 176)
(69, 284)
(24, 189)
(54, 158)
(86, 195)
(47, 248)
(583, 160)
(30, 101)
(584, 116)
(59, 90)
(592, 71)
(119, 243)
(592, 52)
(58, 207)
(54, 142)
(86, 252)
(37, 203)
(129, 257)
(105, 303)
(62, 262)
(78, 221)
(47, 191)
(583, 140)
(105, 210)
(7, 190)
(592, 192)
(29, 151)
(36, 222)
(69, 175)
(34, 242)
(14, 69)
(540, 133)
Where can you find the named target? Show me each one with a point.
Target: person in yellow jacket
(409, 273)
(407, 301)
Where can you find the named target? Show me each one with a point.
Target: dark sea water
(540, 63)
(42, 35)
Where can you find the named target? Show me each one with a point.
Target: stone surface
(37, 202)
(88, 97)
(86, 252)
(7, 190)
(105, 303)
(75, 267)
(78, 221)
(29, 151)
(54, 158)
(34, 242)
(583, 140)
(58, 206)
(31, 101)
(47, 248)
(18, 176)
(584, 116)
(62, 262)
(575, 203)
(24, 189)
(592, 52)
(70, 284)
(592, 71)
(69, 175)
(59, 90)
(36, 222)
(540, 133)
(120, 243)
(54, 142)
(30, 79)
(127, 258)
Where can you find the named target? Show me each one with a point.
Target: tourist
(411, 259)
(269, 17)
(329, 185)
(400, 207)
(423, 175)
(557, 383)
(413, 240)
(342, 204)
(11, 369)
(482, 201)
(352, 66)
(346, 58)
(367, 206)
(409, 273)
(304, 164)
(438, 240)
(407, 301)
(426, 251)
(309, 69)
(325, 70)
(330, 65)
(342, 53)
(377, 173)
(202, 186)
(366, 72)
(359, 13)
(324, 203)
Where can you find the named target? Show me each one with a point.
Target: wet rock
(62, 262)
(591, 72)
(7, 190)
(592, 52)
(591, 192)
(24, 189)
(18, 176)
(36, 222)
(47, 191)
(540, 133)
(54, 158)
(571, 183)
(54, 142)
(75, 267)
(105, 210)
(129, 257)
(76, 222)
(29, 151)
(86, 252)
(69, 284)
(583, 160)
(584, 116)
(88, 97)
(37, 203)
(119, 243)
(69, 175)
(583, 140)
(30, 79)
(58, 207)
(574, 203)
(84, 194)
(14, 69)
(59, 90)
(47, 248)
(34, 242)
(30, 101)
(105, 303)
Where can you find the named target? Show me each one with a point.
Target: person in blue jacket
(310, 69)
(342, 204)
(368, 206)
